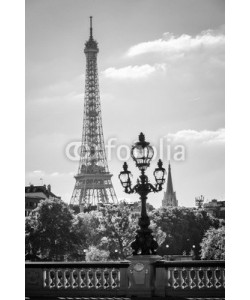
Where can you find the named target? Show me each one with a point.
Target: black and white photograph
(125, 149)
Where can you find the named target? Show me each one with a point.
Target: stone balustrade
(141, 277)
(190, 279)
(54, 279)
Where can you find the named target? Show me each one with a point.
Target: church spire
(170, 189)
(169, 198)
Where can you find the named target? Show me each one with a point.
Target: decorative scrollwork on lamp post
(142, 153)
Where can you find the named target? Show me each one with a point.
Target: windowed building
(215, 208)
(35, 194)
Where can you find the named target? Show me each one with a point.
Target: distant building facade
(35, 194)
(215, 208)
(169, 199)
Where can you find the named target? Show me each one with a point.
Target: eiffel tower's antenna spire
(91, 29)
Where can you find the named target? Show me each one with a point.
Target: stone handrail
(142, 276)
(190, 279)
(55, 279)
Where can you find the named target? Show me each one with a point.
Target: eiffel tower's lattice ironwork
(93, 181)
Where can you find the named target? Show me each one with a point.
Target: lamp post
(199, 201)
(193, 251)
(85, 251)
(167, 248)
(142, 153)
(116, 254)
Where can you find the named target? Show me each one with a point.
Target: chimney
(49, 187)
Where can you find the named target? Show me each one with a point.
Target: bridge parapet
(55, 279)
(143, 276)
(190, 279)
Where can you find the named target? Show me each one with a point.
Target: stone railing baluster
(90, 276)
(79, 278)
(223, 277)
(175, 282)
(45, 278)
(64, 278)
(67, 277)
(110, 279)
(206, 278)
(98, 283)
(180, 277)
(196, 277)
(105, 278)
(52, 277)
(189, 278)
(115, 278)
(57, 279)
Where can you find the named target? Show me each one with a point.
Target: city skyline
(161, 73)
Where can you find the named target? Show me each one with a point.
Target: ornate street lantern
(142, 153)
(125, 177)
(159, 173)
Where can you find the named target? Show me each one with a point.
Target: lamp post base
(144, 243)
(141, 275)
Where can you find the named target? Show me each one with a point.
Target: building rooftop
(46, 190)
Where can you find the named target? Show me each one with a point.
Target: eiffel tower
(93, 187)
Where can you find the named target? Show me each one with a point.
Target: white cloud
(61, 91)
(133, 72)
(42, 174)
(171, 44)
(203, 137)
(54, 174)
(38, 172)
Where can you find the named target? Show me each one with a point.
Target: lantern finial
(142, 137)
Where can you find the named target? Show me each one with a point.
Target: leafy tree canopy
(54, 231)
(95, 254)
(85, 226)
(118, 227)
(49, 230)
(184, 228)
(213, 244)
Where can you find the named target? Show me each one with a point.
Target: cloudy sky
(161, 70)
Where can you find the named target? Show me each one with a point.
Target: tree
(184, 228)
(118, 227)
(54, 231)
(85, 226)
(213, 244)
(49, 230)
(137, 206)
(158, 233)
(95, 254)
(32, 240)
